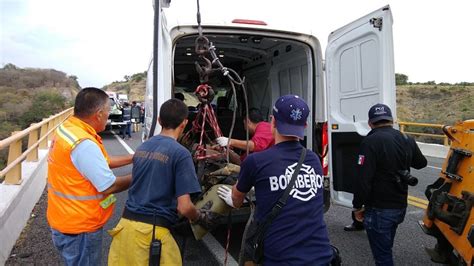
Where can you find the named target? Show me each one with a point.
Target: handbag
(254, 243)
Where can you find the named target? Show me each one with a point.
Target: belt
(157, 220)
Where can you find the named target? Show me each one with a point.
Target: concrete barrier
(17, 202)
(433, 150)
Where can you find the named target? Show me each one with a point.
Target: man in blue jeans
(380, 196)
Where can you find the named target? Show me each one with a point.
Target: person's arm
(242, 144)
(237, 196)
(90, 162)
(418, 160)
(186, 207)
(120, 160)
(186, 183)
(121, 183)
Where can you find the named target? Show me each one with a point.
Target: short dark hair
(172, 113)
(255, 116)
(381, 122)
(179, 96)
(88, 101)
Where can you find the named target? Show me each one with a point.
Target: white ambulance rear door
(359, 73)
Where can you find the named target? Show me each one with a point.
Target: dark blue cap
(380, 112)
(290, 113)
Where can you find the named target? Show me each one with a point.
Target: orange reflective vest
(74, 204)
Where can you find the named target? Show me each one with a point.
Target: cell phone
(155, 252)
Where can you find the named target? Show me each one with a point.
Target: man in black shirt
(380, 197)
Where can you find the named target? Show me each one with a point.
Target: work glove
(207, 218)
(225, 193)
(222, 141)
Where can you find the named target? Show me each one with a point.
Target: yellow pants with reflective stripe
(131, 244)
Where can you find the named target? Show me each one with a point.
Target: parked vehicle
(449, 217)
(357, 72)
(115, 115)
(122, 98)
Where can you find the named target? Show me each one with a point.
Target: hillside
(133, 86)
(32, 80)
(30, 94)
(435, 103)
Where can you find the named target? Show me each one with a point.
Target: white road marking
(434, 167)
(124, 144)
(217, 250)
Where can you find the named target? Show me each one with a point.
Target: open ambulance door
(359, 74)
(158, 83)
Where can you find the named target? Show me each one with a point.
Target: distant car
(122, 98)
(115, 115)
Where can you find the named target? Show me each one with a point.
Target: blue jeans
(81, 249)
(381, 226)
(125, 130)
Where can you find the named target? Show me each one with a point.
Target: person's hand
(359, 214)
(225, 193)
(223, 141)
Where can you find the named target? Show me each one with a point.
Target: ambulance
(355, 71)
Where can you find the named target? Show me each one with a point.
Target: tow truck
(448, 217)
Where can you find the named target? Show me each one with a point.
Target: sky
(101, 41)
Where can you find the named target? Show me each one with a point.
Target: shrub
(43, 105)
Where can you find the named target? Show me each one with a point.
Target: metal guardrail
(403, 126)
(38, 136)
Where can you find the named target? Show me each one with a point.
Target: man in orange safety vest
(80, 182)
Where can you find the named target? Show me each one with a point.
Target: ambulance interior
(271, 66)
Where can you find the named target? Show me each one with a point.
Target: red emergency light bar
(249, 21)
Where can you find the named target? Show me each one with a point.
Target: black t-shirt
(384, 151)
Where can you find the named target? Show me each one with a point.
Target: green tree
(138, 76)
(10, 66)
(43, 105)
(401, 79)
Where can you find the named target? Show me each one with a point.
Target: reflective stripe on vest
(73, 197)
(74, 204)
(67, 136)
